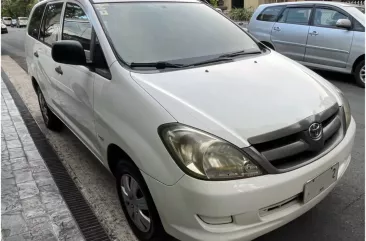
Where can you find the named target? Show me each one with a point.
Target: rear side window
(35, 21)
(296, 16)
(51, 23)
(270, 14)
(76, 25)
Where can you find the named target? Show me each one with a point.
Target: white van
(7, 21)
(209, 134)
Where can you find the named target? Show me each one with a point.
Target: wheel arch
(114, 155)
(357, 61)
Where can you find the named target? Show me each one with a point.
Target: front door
(290, 33)
(76, 94)
(327, 44)
(48, 34)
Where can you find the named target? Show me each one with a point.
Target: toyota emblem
(315, 131)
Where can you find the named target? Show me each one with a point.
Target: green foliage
(241, 14)
(16, 8)
(214, 3)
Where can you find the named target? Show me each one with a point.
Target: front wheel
(137, 203)
(360, 74)
(51, 121)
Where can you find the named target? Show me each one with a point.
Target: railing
(357, 2)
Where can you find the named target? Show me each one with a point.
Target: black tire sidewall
(156, 231)
(53, 123)
(357, 74)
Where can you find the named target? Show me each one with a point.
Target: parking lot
(340, 216)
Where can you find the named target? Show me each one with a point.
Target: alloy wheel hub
(135, 202)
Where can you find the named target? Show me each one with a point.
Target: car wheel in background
(137, 203)
(51, 121)
(359, 74)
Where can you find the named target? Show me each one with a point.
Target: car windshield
(179, 32)
(23, 18)
(7, 18)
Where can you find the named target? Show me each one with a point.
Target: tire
(126, 173)
(360, 68)
(51, 121)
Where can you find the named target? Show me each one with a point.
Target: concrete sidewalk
(31, 205)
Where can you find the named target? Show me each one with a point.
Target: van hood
(240, 99)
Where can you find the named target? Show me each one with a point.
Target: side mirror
(68, 52)
(219, 10)
(344, 23)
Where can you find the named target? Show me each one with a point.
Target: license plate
(317, 185)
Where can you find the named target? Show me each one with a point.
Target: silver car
(322, 35)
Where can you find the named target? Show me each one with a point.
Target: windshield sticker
(103, 12)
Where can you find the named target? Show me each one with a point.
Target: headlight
(346, 107)
(205, 156)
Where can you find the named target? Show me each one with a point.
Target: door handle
(276, 29)
(59, 70)
(314, 33)
(36, 54)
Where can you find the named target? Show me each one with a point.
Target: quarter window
(77, 26)
(35, 21)
(295, 16)
(327, 17)
(269, 14)
(51, 23)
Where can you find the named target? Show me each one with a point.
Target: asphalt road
(340, 216)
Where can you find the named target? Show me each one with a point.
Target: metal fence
(358, 2)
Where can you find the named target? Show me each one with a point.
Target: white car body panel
(233, 101)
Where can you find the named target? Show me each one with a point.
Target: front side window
(76, 25)
(35, 21)
(327, 17)
(298, 15)
(269, 14)
(179, 32)
(51, 23)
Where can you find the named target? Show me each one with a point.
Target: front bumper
(242, 200)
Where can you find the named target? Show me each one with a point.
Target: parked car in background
(13, 23)
(322, 35)
(22, 22)
(208, 140)
(7, 21)
(4, 29)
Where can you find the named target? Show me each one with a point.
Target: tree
(16, 8)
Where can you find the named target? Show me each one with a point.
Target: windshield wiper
(210, 61)
(157, 65)
(238, 53)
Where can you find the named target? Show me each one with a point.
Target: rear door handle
(314, 33)
(276, 29)
(59, 70)
(36, 54)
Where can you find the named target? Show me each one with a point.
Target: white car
(4, 29)
(208, 140)
(6, 21)
(22, 22)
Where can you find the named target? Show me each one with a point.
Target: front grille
(297, 147)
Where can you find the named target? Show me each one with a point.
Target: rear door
(289, 34)
(327, 44)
